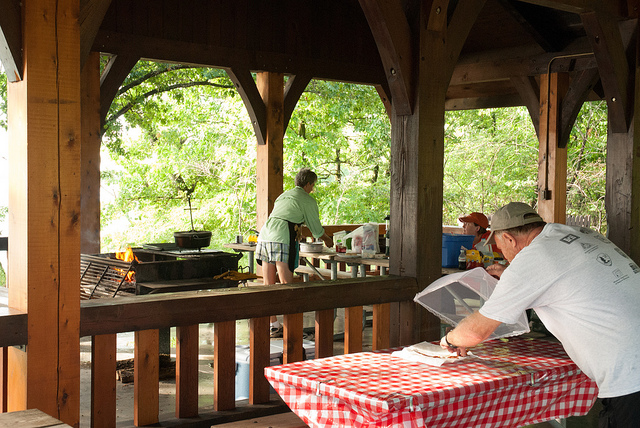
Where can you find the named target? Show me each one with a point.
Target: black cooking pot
(192, 239)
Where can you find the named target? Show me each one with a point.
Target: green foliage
(491, 158)
(3, 98)
(163, 142)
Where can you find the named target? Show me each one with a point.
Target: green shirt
(296, 206)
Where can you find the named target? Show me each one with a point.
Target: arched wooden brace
(616, 76)
(578, 91)
(392, 34)
(91, 15)
(293, 89)
(116, 70)
(246, 86)
(11, 39)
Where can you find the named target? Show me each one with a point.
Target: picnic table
(506, 384)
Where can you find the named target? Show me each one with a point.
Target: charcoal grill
(159, 268)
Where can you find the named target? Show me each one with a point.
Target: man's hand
(445, 344)
(496, 270)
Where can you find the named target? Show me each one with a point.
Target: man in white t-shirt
(583, 288)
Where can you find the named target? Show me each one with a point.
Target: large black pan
(192, 239)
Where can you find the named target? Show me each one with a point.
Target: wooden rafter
(11, 39)
(246, 86)
(91, 15)
(549, 41)
(610, 53)
(114, 73)
(460, 22)
(392, 34)
(574, 6)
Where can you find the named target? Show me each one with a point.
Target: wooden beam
(114, 73)
(391, 32)
(11, 39)
(269, 162)
(246, 86)
(552, 159)
(608, 46)
(574, 6)
(91, 15)
(530, 22)
(159, 49)
(102, 316)
(90, 155)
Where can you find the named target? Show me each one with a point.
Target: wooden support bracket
(114, 73)
(607, 44)
(246, 86)
(392, 34)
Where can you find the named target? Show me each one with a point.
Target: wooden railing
(102, 319)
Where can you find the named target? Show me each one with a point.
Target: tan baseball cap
(514, 214)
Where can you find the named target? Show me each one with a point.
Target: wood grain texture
(146, 372)
(224, 365)
(187, 354)
(103, 381)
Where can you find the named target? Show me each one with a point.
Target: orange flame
(127, 256)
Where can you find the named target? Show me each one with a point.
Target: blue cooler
(451, 244)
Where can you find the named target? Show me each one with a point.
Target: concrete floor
(124, 415)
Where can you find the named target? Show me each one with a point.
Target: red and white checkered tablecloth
(510, 384)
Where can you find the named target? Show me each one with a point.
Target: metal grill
(104, 277)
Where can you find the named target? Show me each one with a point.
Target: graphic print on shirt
(634, 267)
(604, 259)
(620, 276)
(622, 253)
(568, 239)
(588, 247)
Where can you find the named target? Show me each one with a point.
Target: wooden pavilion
(424, 57)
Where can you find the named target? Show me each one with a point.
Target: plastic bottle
(462, 259)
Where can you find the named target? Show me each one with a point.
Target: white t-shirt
(586, 291)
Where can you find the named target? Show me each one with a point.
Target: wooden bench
(306, 271)
(32, 418)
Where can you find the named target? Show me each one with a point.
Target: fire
(127, 256)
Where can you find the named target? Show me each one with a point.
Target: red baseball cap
(477, 218)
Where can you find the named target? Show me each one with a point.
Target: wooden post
(146, 377)
(258, 360)
(324, 333)
(224, 364)
(90, 155)
(44, 205)
(187, 353)
(622, 199)
(417, 165)
(353, 329)
(552, 160)
(103, 381)
(269, 169)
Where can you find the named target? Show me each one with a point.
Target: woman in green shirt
(277, 249)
